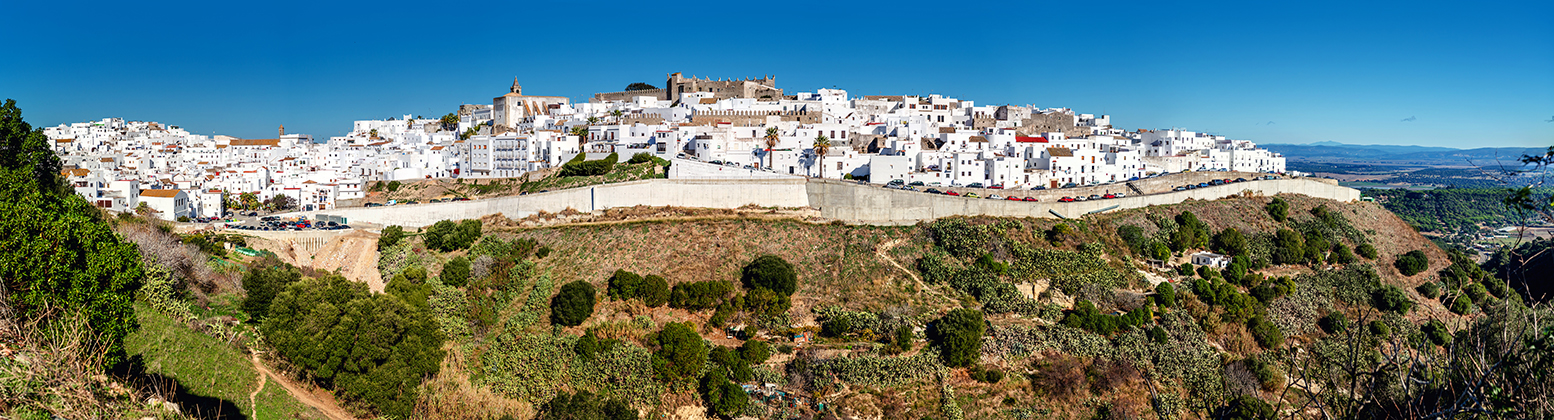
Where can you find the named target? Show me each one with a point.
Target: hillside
(882, 277)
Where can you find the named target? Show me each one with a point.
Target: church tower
(516, 89)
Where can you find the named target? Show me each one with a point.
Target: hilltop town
(749, 124)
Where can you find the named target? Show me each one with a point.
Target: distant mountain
(1418, 154)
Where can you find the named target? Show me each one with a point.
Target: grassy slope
(207, 367)
(622, 172)
(839, 265)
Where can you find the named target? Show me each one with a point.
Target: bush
(1190, 232)
(579, 167)
(1278, 209)
(1392, 299)
(625, 285)
(1429, 290)
(393, 186)
(1246, 407)
(390, 237)
(755, 351)
(371, 347)
(447, 236)
(1266, 333)
(1380, 329)
(990, 375)
(585, 406)
(700, 295)
(543, 252)
(1412, 262)
(722, 398)
(1230, 242)
(1184, 270)
(1289, 247)
(1334, 322)
(263, 281)
(643, 157)
(1165, 295)
(456, 272)
(770, 272)
(1462, 305)
(1085, 316)
(654, 291)
(1436, 332)
(573, 305)
(836, 327)
(681, 352)
(1366, 250)
(959, 336)
(1342, 254)
(1476, 292)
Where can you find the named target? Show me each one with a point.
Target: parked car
(1030, 199)
(1095, 196)
(974, 185)
(997, 187)
(916, 183)
(460, 199)
(1109, 195)
(373, 205)
(972, 195)
(1013, 198)
(1066, 199)
(1203, 185)
(1240, 179)
(952, 193)
(933, 191)
(1120, 195)
(1070, 185)
(994, 197)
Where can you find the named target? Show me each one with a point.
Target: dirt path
(328, 407)
(883, 252)
(253, 405)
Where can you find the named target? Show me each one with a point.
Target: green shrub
(1476, 292)
(770, 272)
(986, 374)
(681, 352)
(447, 236)
(579, 167)
(1059, 233)
(625, 285)
(1380, 329)
(1085, 316)
(543, 252)
(586, 347)
(456, 272)
(1342, 254)
(1366, 250)
(1392, 299)
(393, 186)
(1159, 335)
(755, 351)
(585, 406)
(959, 336)
(1278, 209)
(573, 305)
(1191, 233)
(1246, 407)
(655, 291)
(1412, 262)
(371, 347)
(1289, 247)
(1266, 333)
(836, 327)
(263, 281)
(1184, 270)
(722, 398)
(1230, 242)
(1462, 305)
(1134, 237)
(390, 237)
(1429, 290)
(1436, 332)
(642, 157)
(1334, 322)
(700, 295)
(1165, 295)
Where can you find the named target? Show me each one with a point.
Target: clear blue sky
(1457, 74)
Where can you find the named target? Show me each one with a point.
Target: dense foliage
(391, 236)
(700, 295)
(573, 305)
(585, 405)
(770, 272)
(1085, 316)
(1278, 209)
(263, 281)
(959, 336)
(455, 272)
(57, 254)
(447, 236)
(1447, 209)
(580, 167)
(371, 347)
(681, 352)
(653, 290)
(1412, 262)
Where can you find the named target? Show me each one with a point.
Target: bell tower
(516, 88)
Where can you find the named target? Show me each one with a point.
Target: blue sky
(1428, 73)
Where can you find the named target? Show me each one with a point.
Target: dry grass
(52, 370)
(450, 395)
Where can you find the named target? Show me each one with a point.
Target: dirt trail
(326, 406)
(883, 252)
(253, 405)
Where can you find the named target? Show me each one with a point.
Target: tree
(57, 255)
(390, 237)
(370, 347)
(1289, 247)
(1230, 241)
(772, 273)
(1366, 250)
(1279, 209)
(582, 134)
(655, 291)
(447, 236)
(1165, 295)
(1247, 407)
(1412, 262)
(573, 305)
(959, 336)
(771, 143)
(449, 121)
(263, 281)
(639, 86)
(1392, 299)
(456, 272)
(755, 351)
(585, 406)
(681, 352)
(723, 398)
(821, 147)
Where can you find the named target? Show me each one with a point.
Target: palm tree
(617, 114)
(822, 145)
(771, 142)
(582, 134)
(593, 120)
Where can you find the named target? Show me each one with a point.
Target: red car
(996, 187)
(1030, 199)
(1066, 199)
(1109, 195)
(952, 193)
(1013, 198)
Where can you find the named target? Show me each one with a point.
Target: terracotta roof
(75, 172)
(978, 139)
(708, 101)
(64, 140)
(946, 130)
(160, 193)
(1060, 151)
(436, 147)
(105, 160)
(256, 142)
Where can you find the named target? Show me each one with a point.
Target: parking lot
(276, 223)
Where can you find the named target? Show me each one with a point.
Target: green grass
(207, 367)
(622, 172)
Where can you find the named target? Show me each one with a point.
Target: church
(510, 109)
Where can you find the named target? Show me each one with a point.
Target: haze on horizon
(1397, 73)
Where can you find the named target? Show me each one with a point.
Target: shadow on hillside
(133, 372)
